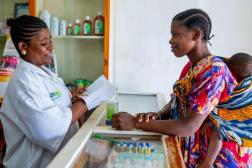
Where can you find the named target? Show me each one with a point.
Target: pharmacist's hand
(123, 121)
(78, 92)
(146, 117)
(75, 99)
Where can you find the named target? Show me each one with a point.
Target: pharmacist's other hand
(123, 121)
(146, 117)
(78, 92)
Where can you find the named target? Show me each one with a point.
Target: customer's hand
(123, 121)
(146, 117)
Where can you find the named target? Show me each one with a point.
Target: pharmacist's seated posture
(37, 114)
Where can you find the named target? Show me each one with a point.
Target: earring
(23, 52)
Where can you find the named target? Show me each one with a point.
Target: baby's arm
(215, 145)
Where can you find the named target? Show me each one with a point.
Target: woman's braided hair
(196, 18)
(23, 28)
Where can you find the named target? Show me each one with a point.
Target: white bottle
(63, 27)
(45, 16)
(54, 26)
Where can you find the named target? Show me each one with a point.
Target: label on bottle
(87, 28)
(69, 30)
(99, 27)
(77, 30)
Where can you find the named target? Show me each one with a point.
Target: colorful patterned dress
(202, 88)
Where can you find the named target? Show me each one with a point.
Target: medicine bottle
(99, 25)
(87, 26)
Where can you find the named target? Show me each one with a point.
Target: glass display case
(123, 151)
(97, 145)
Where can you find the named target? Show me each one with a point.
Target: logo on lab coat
(55, 95)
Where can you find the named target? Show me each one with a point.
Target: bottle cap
(87, 17)
(77, 21)
(45, 11)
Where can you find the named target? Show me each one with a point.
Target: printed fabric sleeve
(207, 89)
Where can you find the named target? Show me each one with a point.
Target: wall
(140, 56)
(232, 25)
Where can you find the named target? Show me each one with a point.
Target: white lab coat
(36, 117)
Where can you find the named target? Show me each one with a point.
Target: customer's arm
(165, 111)
(183, 128)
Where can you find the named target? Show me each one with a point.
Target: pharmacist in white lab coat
(37, 114)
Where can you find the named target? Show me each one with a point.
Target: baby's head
(240, 65)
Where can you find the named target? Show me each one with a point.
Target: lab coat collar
(43, 71)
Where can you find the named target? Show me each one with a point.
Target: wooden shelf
(78, 37)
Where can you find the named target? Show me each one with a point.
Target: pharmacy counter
(96, 145)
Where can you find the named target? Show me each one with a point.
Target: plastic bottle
(77, 27)
(87, 26)
(45, 16)
(63, 27)
(99, 25)
(69, 29)
(112, 108)
(54, 26)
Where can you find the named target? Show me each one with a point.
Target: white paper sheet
(99, 91)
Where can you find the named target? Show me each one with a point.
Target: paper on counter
(99, 91)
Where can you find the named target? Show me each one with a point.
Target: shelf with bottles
(77, 37)
(86, 27)
(78, 55)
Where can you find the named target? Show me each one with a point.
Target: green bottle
(112, 108)
(87, 26)
(99, 25)
(69, 29)
(77, 27)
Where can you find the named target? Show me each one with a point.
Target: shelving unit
(78, 37)
(78, 57)
(84, 58)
